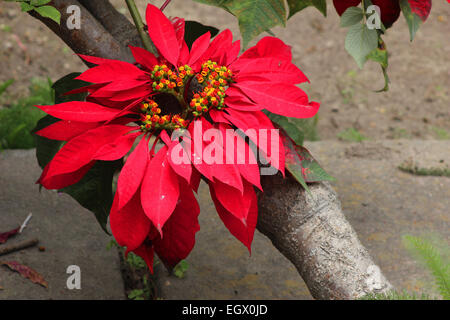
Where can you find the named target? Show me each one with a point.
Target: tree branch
(310, 230)
(91, 39)
(113, 21)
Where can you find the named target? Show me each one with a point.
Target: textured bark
(91, 39)
(310, 230)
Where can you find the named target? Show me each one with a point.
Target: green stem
(146, 41)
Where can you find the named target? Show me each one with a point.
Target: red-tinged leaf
(97, 60)
(184, 54)
(65, 130)
(163, 34)
(6, 235)
(269, 47)
(26, 272)
(258, 127)
(218, 116)
(111, 89)
(138, 93)
(179, 27)
(300, 163)
(236, 99)
(245, 160)
(244, 232)
(292, 160)
(90, 88)
(195, 145)
(178, 157)
(80, 151)
(220, 159)
(160, 190)
(111, 71)
(132, 173)
(421, 7)
(312, 171)
(144, 57)
(129, 225)
(146, 252)
(179, 161)
(232, 199)
(233, 52)
(199, 47)
(60, 181)
(280, 98)
(117, 149)
(240, 104)
(179, 231)
(273, 69)
(80, 111)
(196, 178)
(218, 47)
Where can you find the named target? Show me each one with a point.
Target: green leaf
(66, 84)
(4, 85)
(301, 164)
(291, 129)
(312, 171)
(413, 20)
(255, 16)
(25, 7)
(360, 41)
(94, 190)
(298, 5)
(380, 56)
(194, 30)
(180, 269)
(292, 161)
(351, 16)
(38, 3)
(45, 148)
(49, 12)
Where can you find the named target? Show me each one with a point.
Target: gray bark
(313, 233)
(310, 230)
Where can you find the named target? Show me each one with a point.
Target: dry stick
(19, 246)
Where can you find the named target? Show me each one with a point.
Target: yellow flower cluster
(151, 118)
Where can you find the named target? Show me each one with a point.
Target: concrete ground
(381, 202)
(69, 233)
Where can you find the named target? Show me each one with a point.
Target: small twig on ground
(19, 246)
(24, 224)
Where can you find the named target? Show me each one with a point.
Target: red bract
(390, 9)
(206, 87)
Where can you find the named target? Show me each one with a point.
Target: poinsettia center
(195, 93)
(214, 80)
(152, 117)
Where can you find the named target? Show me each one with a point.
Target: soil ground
(417, 105)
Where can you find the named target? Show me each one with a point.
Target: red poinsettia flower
(193, 90)
(390, 9)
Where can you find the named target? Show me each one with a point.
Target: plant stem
(146, 41)
(165, 5)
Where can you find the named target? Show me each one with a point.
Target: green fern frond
(435, 262)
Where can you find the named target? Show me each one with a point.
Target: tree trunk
(312, 232)
(309, 229)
